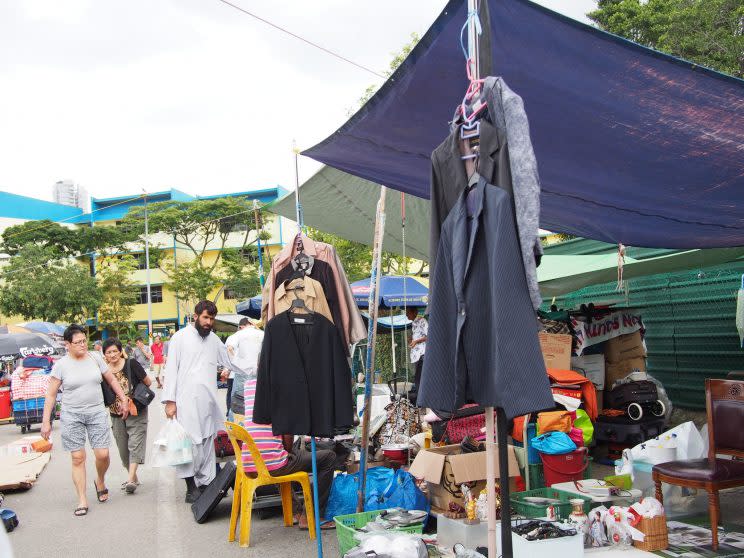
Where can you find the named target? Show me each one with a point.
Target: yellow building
(169, 313)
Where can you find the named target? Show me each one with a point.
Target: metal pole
(313, 449)
(258, 241)
(147, 274)
(374, 296)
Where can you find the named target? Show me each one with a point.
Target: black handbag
(141, 393)
(109, 397)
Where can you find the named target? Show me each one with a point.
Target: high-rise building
(66, 192)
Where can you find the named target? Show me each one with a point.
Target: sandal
(130, 487)
(80, 512)
(100, 493)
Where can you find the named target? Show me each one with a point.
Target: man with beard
(190, 393)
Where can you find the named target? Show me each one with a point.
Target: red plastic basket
(568, 467)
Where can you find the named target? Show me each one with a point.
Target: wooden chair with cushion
(725, 407)
(246, 484)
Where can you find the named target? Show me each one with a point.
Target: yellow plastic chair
(246, 484)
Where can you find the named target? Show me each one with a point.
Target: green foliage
(356, 257)
(119, 294)
(63, 241)
(38, 285)
(707, 32)
(202, 226)
(241, 271)
(398, 58)
(193, 282)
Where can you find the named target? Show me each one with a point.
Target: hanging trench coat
(482, 343)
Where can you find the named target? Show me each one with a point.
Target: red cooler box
(5, 405)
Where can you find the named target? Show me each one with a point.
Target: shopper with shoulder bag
(81, 374)
(130, 432)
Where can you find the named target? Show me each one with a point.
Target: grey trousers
(204, 465)
(131, 437)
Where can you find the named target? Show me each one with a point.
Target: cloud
(190, 94)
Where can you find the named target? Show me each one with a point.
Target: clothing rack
(313, 448)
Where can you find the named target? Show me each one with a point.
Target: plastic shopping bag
(173, 446)
(384, 489)
(400, 492)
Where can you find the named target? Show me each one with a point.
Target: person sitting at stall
(419, 330)
(282, 458)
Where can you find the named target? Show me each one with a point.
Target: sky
(187, 94)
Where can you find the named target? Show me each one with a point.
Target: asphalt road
(153, 522)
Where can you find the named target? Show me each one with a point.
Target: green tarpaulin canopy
(339, 203)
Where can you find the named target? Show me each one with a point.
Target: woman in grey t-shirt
(80, 373)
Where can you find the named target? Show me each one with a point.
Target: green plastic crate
(563, 509)
(346, 526)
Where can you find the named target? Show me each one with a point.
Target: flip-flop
(326, 525)
(100, 493)
(80, 512)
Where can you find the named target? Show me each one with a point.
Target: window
(239, 227)
(141, 261)
(229, 294)
(156, 292)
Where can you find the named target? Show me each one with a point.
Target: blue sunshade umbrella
(48, 328)
(392, 292)
(250, 308)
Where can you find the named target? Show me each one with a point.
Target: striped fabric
(271, 447)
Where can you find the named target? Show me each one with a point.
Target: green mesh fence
(690, 325)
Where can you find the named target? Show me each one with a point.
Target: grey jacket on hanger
(506, 160)
(482, 344)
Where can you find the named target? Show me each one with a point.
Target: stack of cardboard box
(623, 355)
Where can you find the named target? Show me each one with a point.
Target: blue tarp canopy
(633, 146)
(392, 292)
(250, 308)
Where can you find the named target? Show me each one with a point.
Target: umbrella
(250, 308)
(7, 328)
(395, 291)
(44, 327)
(15, 345)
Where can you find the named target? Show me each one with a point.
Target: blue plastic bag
(554, 443)
(386, 488)
(401, 492)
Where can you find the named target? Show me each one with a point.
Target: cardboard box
(445, 468)
(556, 350)
(592, 367)
(618, 371)
(624, 347)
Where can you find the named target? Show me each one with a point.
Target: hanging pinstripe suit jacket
(482, 344)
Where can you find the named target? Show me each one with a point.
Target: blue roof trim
(15, 206)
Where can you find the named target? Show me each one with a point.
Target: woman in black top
(130, 433)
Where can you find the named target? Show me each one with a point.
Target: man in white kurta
(190, 393)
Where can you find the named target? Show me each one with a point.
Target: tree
(398, 58)
(40, 285)
(62, 240)
(192, 283)
(119, 293)
(707, 32)
(241, 271)
(202, 226)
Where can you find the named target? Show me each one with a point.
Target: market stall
(556, 405)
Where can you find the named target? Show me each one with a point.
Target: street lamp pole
(147, 273)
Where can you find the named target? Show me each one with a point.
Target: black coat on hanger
(304, 380)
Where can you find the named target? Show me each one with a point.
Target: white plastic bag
(173, 446)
